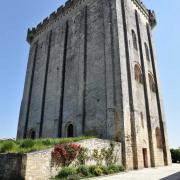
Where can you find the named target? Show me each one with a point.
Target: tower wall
(81, 72)
(24, 110)
(72, 80)
(143, 103)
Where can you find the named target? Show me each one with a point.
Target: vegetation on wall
(29, 145)
(175, 153)
(72, 158)
(106, 155)
(65, 154)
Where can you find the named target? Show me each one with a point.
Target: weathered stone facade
(10, 166)
(92, 70)
(39, 166)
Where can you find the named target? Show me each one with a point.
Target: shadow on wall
(175, 176)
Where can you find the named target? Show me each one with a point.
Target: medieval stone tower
(92, 71)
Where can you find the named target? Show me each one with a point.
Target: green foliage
(67, 171)
(98, 171)
(105, 170)
(110, 171)
(7, 146)
(84, 170)
(99, 156)
(175, 154)
(83, 156)
(92, 168)
(121, 168)
(95, 170)
(109, 155)
(113, 168)
(105, 154)
(47, 142)
(28, 145)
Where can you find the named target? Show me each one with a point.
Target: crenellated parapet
(64, 9)
(142, 8)
(61, 11)
(148, 13)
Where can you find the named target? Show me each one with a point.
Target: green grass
(29, 145)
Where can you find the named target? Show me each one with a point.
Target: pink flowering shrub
(65, 154)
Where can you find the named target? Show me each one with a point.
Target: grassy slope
(28, 145)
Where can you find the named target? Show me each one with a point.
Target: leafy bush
(104, 169)
(98, 171)
(175, 154)
(83, 170)
(92, 169)
(110, 171)
(95, 170)
(121, 168)
(7, 146)
(114, 168)
(65, 154)
(67, 171)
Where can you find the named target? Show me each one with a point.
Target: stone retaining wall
(10, 166)
(38, 165)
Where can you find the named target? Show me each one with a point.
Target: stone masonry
(39, 166)
(92, 70)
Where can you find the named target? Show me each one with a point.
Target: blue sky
(17, 15)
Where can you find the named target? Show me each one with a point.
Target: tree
(175, 153)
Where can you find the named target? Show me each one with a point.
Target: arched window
(32, 134)
(134, 40)
(152, 83)
(137, 73)
(147, 52)
(70, 130)
(158, 138)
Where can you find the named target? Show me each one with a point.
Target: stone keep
(92, 71)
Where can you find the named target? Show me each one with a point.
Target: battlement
(149, 13)
(61, 11)
(64, 9)
(141, 6)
